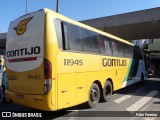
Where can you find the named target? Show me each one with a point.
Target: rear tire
(107, 91)
(94, 95)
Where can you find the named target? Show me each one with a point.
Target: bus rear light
(47, 76)
(47, 85)
(47, 69)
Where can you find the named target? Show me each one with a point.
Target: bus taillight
(47, 76)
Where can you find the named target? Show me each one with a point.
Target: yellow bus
(54, 62)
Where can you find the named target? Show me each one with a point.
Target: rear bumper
(41, 102)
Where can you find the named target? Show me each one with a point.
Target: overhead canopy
(143, 24)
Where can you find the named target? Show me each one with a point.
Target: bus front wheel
(94, 95)
(107, 91)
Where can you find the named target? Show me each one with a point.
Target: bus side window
(138, 53)
(128, 51)
(90, 41)
(95, 43)
(72, 33)
(59, 33)
(101, 43)
(87, 40)
(65, 36)
(115, 48)
(105, 45)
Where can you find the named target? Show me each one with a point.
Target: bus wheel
(94, 95)
(107, 91)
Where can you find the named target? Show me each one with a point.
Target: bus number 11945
(71, 62)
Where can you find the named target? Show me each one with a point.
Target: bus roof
(66, 19)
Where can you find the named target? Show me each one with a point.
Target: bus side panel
(93, 68)
(50, 52)
(71, 89)
(136, 72)
(72, 73)
(116, 69)
(124, 73)
(66, 90)
(81, 88)
(137, 67)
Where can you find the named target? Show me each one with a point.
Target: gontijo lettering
(113, 62)
(24, 51)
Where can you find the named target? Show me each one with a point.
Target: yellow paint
(70, 84)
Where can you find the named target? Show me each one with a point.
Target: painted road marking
(136, 106)
(121, 99)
